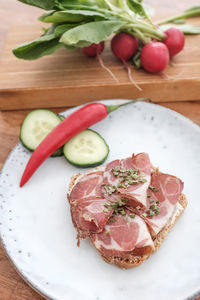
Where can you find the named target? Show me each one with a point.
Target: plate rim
(3, 244)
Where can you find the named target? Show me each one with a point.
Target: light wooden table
(12, 287)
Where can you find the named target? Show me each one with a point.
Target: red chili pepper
(78, 121)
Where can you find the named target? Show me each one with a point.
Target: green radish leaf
(47, 14)
(69, 48)
(81, 4)
(179, 21)
(37, 48)
(186, 28)
(150, 11)
(93, 32)
(137, 7)
(189, 29)
(194, 11)
(57, 30)
(71, 16)
(45, 4)
(189, 13)
(45, 45)
(51, 29)
(61, 29)
(136, 60)
(115, 5)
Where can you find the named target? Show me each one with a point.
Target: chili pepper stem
(111, 108)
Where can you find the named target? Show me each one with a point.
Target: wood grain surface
(12, 12)
(52, 81)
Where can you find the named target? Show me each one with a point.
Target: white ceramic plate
(37, 232)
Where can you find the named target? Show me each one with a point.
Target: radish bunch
(154, 56)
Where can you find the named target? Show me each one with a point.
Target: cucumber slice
(61, 117)
(86, 149)
(58, 152)
(35, 127)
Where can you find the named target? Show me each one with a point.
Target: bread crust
(129, 260)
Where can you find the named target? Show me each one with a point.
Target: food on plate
(36, 126)
(86, 149)
(75, 123)
(125, 208)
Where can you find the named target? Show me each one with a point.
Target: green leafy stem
(189, 13)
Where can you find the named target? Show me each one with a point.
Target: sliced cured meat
(88, 210)
(110, 182)
(124, 235)
(88, 185)
(108, 176)
(130, 178)
(137, 193)
(90, 215)
(163, 197)
(140, 161)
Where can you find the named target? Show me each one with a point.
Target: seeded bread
(130, 261)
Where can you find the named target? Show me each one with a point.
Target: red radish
(95, 50)
(154, 57)
(124, 45)
(174, 41)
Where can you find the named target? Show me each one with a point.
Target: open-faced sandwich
(126, 208)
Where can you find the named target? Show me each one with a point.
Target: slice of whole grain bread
(129, 260)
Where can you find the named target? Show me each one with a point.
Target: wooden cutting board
(68, 78)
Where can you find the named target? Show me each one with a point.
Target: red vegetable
(93, 49)
(154, 57)
(78, 121)
(174, 41)
(124, 45)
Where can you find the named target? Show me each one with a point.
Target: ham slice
(110, 180)
(88, 206)
(165, 194)
(124, 235)
(108, 177)
(90, 215)
(88, 185)
(135, 193)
